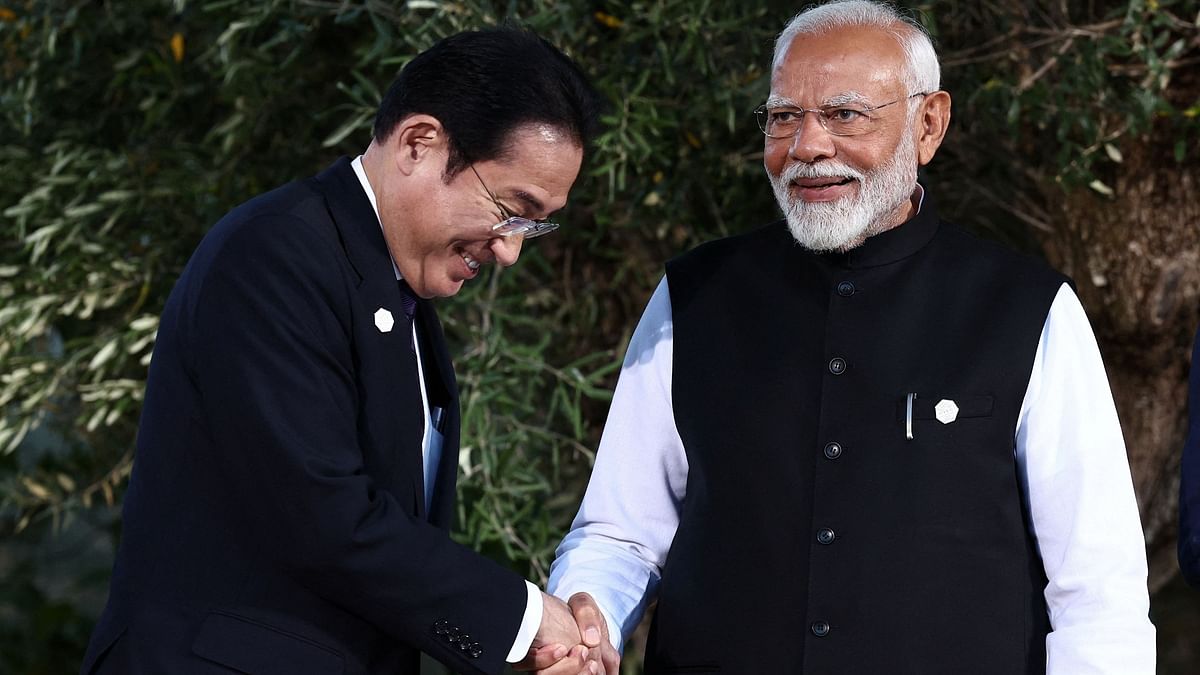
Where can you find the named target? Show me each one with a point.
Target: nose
(811, 142)
(507, 249)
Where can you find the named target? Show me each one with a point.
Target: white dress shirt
(431, 450)
(1069, 452)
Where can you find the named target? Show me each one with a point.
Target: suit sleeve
(272, 357)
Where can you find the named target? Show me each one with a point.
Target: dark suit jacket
(275, 520)
(1189, 492)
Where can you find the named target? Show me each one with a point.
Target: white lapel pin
(384, 320)
(946, 411)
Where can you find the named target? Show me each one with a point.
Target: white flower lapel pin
(384, 320)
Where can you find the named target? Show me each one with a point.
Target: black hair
(482, 85)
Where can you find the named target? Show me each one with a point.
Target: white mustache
(827, 169)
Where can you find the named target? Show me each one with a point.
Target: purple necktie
(408, 303)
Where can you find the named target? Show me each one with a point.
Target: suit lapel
(392, 419)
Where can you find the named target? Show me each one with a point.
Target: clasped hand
(572, 640)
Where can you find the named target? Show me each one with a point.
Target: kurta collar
(897, 243)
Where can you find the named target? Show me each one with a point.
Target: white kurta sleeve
(1082, 507)
(620, 538)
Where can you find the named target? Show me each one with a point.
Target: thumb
(592, 625)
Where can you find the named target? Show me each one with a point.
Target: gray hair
(923, 73)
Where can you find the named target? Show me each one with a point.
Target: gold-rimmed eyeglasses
(852, 119)
(512, 224)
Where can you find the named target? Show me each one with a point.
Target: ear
(932, 120)
(418, 142)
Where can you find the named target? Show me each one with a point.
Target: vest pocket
(926, 407)
(256, 648)
(947, 411)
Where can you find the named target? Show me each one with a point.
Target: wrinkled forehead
(843, 65)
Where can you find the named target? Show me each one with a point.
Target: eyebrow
(776, 101)
(846, 97)
(532, 204)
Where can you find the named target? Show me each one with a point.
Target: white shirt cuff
(614, 632)
(529, 625)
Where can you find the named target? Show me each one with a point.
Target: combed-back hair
(923, 74)
(483, 85)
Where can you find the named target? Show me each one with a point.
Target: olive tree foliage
(128, 128)
(1080, 122)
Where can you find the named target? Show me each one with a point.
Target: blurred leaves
(1073, 84)
(129, 128)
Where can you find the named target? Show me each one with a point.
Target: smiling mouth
(818, 183)
(472, 263)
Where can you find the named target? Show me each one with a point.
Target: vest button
(837, 366)
(845, 289)
(820, 628)
(825, 536)
(833, 450)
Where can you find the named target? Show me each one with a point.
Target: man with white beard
(863, 440)
(840, 224)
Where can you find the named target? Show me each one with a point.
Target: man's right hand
(558, 625)
(595, 656)
(557, 639)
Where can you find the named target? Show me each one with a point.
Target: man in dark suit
(1189, 489)
(295, 475)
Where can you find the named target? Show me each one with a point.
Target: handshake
(572, 640)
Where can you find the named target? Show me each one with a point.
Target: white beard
(845, 223)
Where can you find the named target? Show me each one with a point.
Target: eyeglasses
(839, 120)
(514, 225)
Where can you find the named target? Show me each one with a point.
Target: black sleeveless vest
(815, 537)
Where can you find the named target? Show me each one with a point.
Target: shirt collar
(366, 186)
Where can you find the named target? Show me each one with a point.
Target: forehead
(814, 68)
(538, 168)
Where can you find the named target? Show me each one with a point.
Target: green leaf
(352, 124)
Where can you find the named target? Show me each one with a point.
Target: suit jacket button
(820, 628)
(825, 536)
(837, 366)
(833, 450)
(845, 289)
